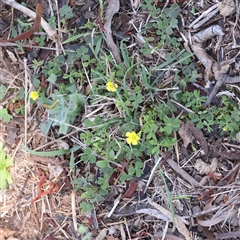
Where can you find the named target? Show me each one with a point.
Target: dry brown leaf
(153, 212)
(110, 238)
(11, 56)
(12, 131)
(198, 135)
(221, 68)
(54, 171)
(179, 223)
(159, 235)
(50, 238)
(227, 7)
(62, 144)
(7, 207)
(6, 232)
(228, 178)
(130, 191)
(204, 168)
(185, 133)
(227, 214)
(238, 137)
(102, 234)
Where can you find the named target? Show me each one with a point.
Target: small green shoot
(5, 162)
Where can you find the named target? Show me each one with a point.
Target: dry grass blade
(179, 224)
(113, 8)
(153, 212)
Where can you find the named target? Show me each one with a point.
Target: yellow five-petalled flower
(34, 95)
(132, 138)
(111, 86)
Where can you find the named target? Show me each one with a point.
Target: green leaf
(4, 115)
(3, 90)
(131, 170)
(102, 164)
(73, 38)
(52, 78)
(72, 161)
(86, 206)
(5, 162)
(47, 154)
(139, 172)
(174, 23)
(66, 12)
(88, 151)
(139, 164)
(88, 123)
(111, 154)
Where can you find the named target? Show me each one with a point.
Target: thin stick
(203, 15)
(129, 235)
(26, 101)
(152, 173)
(74, 215)
(116, 202)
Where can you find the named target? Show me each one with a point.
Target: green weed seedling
(66, 12)
(68, 107)
(5, 162)
(226, 116)
(4, 116)
(85, 231)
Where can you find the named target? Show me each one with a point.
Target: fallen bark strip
(228, 235)
(205, 13)
(183, 173)
(197, 45)
(181, 227)
(50, 32)
(223, 79)
(113, 7)
(210, 66)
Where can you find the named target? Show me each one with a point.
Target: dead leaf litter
(189, 191)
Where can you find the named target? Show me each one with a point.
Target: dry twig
(50, 32)
(183, 173)
(113, 8)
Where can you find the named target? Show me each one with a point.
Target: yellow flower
(34, 95)
(225, 129)
(132, 138)
(111, 87)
